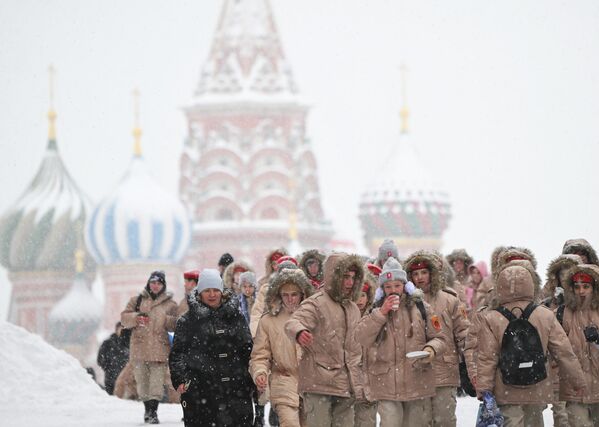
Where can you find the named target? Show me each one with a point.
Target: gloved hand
(431, 354)
(591, 334)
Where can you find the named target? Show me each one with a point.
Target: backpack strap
(420, 306)
(560, 314)
(506, 313)
(138, 303)
(528, 310)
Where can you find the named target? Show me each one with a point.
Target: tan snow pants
(403, 414)
(522, 415)
(365, 414)
(328, 411)
(441, 408)
(583, 414)
(149, 377)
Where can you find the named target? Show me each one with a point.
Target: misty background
(503, 99)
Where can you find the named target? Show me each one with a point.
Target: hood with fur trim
(229, 306)
(516, 281)
(335, 267)
(557, 271)
(318, 256)
(460, 254)
(287, 276)
(228, 281)
(434, 264)
(449, 274)
(573, 245)
(570, 298)
(267, 262)
(481, 266)
(510, 253)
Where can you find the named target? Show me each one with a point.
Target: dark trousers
(219, 411)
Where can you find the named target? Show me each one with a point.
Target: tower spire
(136, 127)
(404, 112)
(51, 111)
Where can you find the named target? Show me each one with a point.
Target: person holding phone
(400, 326)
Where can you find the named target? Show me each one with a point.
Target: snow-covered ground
(43, 386)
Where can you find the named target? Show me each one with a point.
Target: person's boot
(147, 411)
(273, 418)
(153, 418)
(259, 419)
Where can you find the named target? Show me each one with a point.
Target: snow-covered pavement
(43, 386)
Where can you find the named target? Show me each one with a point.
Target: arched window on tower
(224, 214)
(269, 213)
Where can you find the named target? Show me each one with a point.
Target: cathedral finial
(79, 260)
(404, 113)
(136, 127)
(51, 112)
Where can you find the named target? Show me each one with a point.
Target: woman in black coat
(210, 357)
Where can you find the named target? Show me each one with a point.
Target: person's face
(458, 266)
(422, 279)
(248, 290)
(393, 287)
(349, 278)
(583, 256)
(211, 297)
(313, 268)
(236, 277)
(189, 284)
(362, 301)
(274, 265)
(582, 289)
(475, 276)
(291, 296)
(155, 286)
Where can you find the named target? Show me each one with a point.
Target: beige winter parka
(258, 307)
(577, 316)
(451, 315)
(229, 274)
(330, 365)
(150, 343)
(389, 375)
(516, 288)
(274, 354)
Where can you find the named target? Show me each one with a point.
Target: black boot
(153, 418)
(147, 411)
(259, 419)
(273, 418)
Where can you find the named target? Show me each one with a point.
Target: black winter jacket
(211, 351)
(112, 358)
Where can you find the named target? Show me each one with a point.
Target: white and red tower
(248, 173)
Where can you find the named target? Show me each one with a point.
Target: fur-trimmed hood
(581, 244)
(504, 255)
(460, 254)
(318, 256)
(513, 284)
(286, 276)
(228, 281)
(449, 274)
(335, 266)
(267, 262)
(372, 283)
(228, 308)
(557, 271)
(434, 264)
(570, 298)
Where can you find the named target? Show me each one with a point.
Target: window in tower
(270, 213)
(224, 215)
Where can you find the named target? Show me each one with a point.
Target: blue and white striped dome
(139, 222)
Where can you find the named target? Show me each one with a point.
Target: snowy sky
(503, 99)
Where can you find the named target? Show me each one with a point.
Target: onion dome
(404, 202)
(139, 222)
(42, 230)
(75, 318)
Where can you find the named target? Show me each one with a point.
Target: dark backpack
(126, 332)
(522, 359)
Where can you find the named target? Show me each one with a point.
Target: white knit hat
(209, 279)
(392, 271)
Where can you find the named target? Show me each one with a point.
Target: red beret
(418, 266)
(239, 269)
(192, 274)
(282, 259)
(374, 269)
(582, 277)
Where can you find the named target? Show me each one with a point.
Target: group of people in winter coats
(336, 340)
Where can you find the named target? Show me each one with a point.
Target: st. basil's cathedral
(248, 183)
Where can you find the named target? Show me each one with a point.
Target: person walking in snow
(521, 388)
(425, 271)
(247, 297)
(113, 355)
(190, 280)
(330, 377)
(210, 357)
(274, 361)
(224, 262)
(400, 323)
(151, 316)
(232, 273)
(311, 262)
(579, 316)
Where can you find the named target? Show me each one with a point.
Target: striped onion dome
(138, 222)
(42, 230)
(404, 200)
(75, 318)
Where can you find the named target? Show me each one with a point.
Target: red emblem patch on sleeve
(464, 312)
(436, 322)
